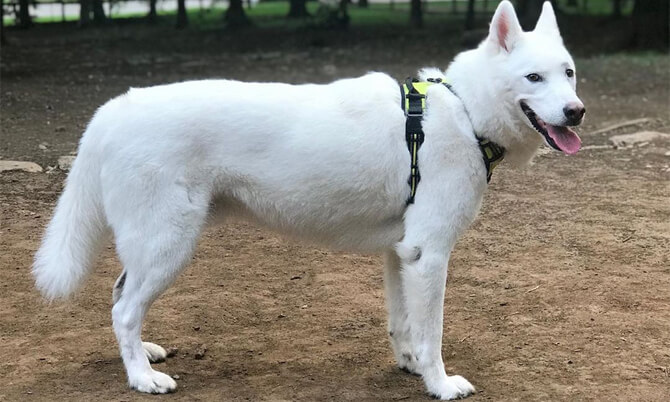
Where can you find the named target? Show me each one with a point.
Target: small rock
(294, 277)
(65, 162)
(196, 328)
(640, 137)
(200, 353)
(172, 352)
(30, 167)
(176, 376)
(43, 146)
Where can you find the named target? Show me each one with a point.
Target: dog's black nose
(574, 112)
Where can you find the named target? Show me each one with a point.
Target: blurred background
(559, 291)
(87, 51)
(641, 24)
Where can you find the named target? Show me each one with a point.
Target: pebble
(65, 162)
(641, 138)
(30, 167)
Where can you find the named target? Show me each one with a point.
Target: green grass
(264, 14)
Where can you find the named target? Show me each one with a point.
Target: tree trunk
(616, 8)
(2, 25)
(235, 16)
(470, 16)
(416, 14)
(24, 14)
(98, 12)
(84, 12)
(297, 9)
(650, 25)
(529, 11)
(182, 18)
(343, 15)
(363, 3)
(152, 11)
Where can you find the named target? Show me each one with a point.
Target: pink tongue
(567, 140)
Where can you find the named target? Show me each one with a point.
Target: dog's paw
(153, 382)
(455, 387)
(155, 353)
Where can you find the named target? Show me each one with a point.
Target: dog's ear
(547, 24)
(505, 30)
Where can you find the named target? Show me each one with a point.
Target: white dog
(327, 163)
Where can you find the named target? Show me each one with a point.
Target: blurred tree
(332, 14)
(470, 15)
(86, 7)
(297, 9)
(416, 14)
(182, 17)
(24, 20)
(650, 24)
(529, 10)
(363, 3)
(152, 11)
(344, 13)
(84, 12)
(2, 24)
(98, 12)
(616, 8)
(235, 15)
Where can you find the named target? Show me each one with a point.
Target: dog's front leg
(424, 274)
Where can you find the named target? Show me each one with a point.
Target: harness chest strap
(413, 98)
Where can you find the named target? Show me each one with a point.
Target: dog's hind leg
(154, 244)
(155, 353)
(397, 314)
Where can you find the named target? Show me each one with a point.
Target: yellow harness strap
(413, 98)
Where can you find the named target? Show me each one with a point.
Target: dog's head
(540, 75)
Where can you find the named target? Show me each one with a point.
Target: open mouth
(561, 138)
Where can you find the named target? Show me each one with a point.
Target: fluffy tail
(73, 237)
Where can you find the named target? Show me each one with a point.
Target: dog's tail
(76, 231)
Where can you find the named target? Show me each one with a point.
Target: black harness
(413, 99)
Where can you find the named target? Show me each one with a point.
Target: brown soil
(559, 291)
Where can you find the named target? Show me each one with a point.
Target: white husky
(327, 163)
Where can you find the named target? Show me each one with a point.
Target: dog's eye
(570, 72)
(534, 77)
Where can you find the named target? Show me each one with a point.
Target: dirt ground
(559, 291)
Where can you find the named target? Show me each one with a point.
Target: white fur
(155, 353)
(325, 163)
